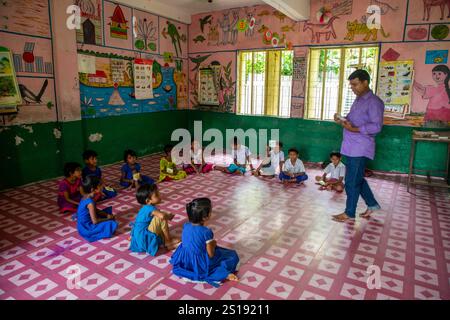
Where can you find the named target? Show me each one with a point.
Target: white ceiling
(181, 10)
(200, 6)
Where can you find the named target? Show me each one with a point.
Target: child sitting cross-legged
(293, 169)
(241, 156)
(168, 169)
(91, 169)
(334, 173)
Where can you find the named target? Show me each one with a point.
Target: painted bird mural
(204, 21)
(198, 60)
(30, 97)
(175, 37)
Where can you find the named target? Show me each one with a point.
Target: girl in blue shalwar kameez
(198, 257)
(151, 227)
(93, 224)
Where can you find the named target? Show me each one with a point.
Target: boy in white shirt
(333, 176)
(293, 169)
(241, 156)
(273, 164)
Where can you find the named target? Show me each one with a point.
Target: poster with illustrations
(143, 79)
(207, 91)
(9, 89)
(118, 67)
(395, 84)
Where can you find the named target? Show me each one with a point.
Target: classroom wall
(56, 128)
(405, 34)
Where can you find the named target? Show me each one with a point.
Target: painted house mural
(117, 20)
(91, 31)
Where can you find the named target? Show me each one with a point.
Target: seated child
(167, 169)
(151, 228)
(91, 169)
(273, 164)
(293, 169)
(69, 189)
(94, 224)
(241, 156)
(333, 175)
(198, 257)
(198, 164)
(131, 171)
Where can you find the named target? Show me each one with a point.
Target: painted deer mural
(318, 28)
(427, 4)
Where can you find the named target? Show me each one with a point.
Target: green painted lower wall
(315, 139)
(41, 156)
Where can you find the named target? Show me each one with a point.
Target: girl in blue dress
(93, 224)
(151, 227)
(198, 257)
(131, 172)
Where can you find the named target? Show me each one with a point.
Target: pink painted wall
(332, 22)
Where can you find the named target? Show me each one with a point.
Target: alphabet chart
(143, 79)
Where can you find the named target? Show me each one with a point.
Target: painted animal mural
(428, 4)
(213, 35)
(361, 28)
(234, 27)
(225, 25)
(250, 14)
(384, 6)
(317, 29)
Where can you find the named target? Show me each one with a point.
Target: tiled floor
(288, 245)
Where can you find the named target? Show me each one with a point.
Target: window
(328, 91)
(265, 82)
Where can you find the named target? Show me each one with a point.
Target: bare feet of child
(172, 245)
(232, 277)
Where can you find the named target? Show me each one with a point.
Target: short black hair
(236, 141)
(89, 154)
(361, 74)
(336, 154)
(198, 209)
(90, 183)
(168, 148)
(293, 150)
(280, 144)
(71, 167)
(127, 153)
(145, 192)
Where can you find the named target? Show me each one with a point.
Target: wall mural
(225, 64)
(33, 64)
(173, 37)
(145, 27)
(118, 25)
(110, 90)
(91, 22)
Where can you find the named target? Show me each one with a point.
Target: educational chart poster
(143, 79)
(207, 92)
(9, 88)
(395, 87)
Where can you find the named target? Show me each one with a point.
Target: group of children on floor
(197, 257)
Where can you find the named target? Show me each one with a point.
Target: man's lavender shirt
(366, 114)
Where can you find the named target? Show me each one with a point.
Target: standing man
(361, 125)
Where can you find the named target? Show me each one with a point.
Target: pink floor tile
(288, 246)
